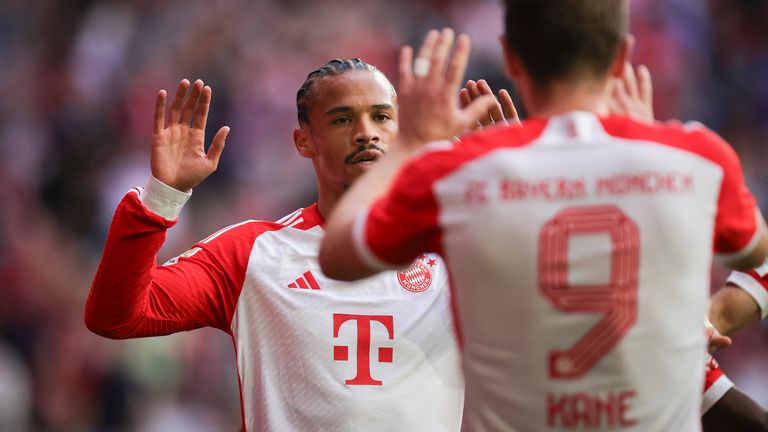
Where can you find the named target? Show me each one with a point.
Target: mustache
(363, 147)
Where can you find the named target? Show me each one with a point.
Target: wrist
(162, 199)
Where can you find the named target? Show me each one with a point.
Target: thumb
(478, 109)
(217, 146)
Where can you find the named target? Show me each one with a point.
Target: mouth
(365, 157)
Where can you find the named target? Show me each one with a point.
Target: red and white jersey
(754, 282)
(312, 353)
(579, 251)
(716, 384)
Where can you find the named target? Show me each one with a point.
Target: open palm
(427, 104)
(178, 156)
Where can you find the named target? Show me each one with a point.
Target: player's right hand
(178, 156)
(632, 94)
(428, 107)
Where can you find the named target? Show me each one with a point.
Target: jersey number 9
(616, 300)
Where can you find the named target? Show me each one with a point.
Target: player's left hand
(428, 107)
(503, 111)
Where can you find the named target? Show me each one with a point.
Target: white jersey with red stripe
(312, 353)
(579, 251)
(755, 283)
(716, 384)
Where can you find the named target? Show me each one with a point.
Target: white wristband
(163, 200)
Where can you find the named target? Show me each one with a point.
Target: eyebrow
(346, 109)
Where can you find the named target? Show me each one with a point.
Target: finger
(718, 342)
(160, 111)
(508, 107)
(406, 67)
(621, 98)
(428, 47)
(217, 146)
(494, 114)
(478, 109)
(458, 64)
(189, 106)
(645, 84)
(474, 94)
(174, 114)
(440, 54)
(201, 112)
(613, 101)
(630, 81)
(483, 87)
(464, 98)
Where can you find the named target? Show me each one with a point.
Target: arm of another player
(735, 411)
(725, 408)
(428, 111)
(131, 296)
(744, 299)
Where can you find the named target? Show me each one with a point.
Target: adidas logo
(307, 281)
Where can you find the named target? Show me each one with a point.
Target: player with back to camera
(578, 246)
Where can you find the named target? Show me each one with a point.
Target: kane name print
(584, 410)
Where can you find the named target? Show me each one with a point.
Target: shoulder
(242, 231)
(250, 230)
(443, 157)
(691, 137)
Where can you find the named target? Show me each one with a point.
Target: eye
(382, 117)
(341, 120)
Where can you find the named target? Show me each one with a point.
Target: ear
(622, 57)
(512, 64)
(303, 143)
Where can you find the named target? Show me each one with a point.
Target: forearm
(338, 257)
(735, 411)
(732, 308)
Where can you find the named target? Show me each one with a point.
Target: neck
(327, 198)
(562, 97)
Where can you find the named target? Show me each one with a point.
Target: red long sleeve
(131, 296)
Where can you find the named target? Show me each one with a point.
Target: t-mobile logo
(341, 352)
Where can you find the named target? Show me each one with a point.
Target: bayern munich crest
(417, 277)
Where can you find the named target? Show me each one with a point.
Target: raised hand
(503, 111)
(632, 94)
(178, 156)
(428, 107)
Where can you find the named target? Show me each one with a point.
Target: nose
(366, 132)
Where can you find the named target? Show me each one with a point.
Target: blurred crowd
(78, 83)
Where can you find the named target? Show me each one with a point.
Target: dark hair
(558, 39)
(332, 68)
